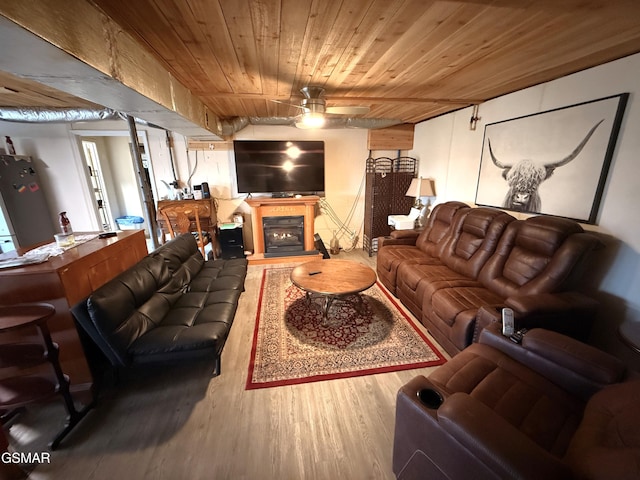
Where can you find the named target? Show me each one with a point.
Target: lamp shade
(422, 187)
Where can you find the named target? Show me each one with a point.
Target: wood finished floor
(178, 422)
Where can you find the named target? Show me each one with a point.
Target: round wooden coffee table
(331, 279)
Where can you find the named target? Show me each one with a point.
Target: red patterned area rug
(292, 344)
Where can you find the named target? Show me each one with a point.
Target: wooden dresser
(66, 279)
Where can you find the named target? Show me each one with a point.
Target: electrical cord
(173, 167)
(343, 227)
(195, 167)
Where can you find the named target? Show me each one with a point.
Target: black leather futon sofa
(170, 306)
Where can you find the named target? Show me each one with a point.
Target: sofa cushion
(431, 239)
(538, 255)
(197, 307)
(448, 304)
(537, 407)
(451, 314)
(391, 258)
(427, 247)
(130, 305)
(182, 257)
(474, 238)
(418, 282)
(220, 275)
(198, 321)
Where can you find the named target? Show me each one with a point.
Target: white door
(99, 189)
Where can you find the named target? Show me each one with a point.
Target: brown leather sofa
(486, 260)
(416, 247)
(551, 408)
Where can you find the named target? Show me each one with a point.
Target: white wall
(55, 149)
(56, 156)
(125, 182)
(450, 152)
(345, 157)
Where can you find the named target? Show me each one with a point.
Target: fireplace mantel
(279, 207)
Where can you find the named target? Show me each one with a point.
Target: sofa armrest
(574, 355)
(578, 367)
(570, 313)
(399, 237)
(404, 234)
(556, 303)
(497, 443)
(83, 319)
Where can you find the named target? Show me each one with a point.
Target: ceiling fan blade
(289, 104)
(348, 110)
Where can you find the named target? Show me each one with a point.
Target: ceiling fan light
(310, 120)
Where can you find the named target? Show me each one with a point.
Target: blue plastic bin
(130, 222)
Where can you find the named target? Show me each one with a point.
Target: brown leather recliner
(471, 241)
(411, 246)
(551, 408)
(531, 272)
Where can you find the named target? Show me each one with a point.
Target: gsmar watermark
(25, 457)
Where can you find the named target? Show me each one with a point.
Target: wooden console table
(63, 281)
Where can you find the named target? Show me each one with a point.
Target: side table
(231, 242)
(21, 390)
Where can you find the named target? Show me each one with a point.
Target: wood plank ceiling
(405, 59)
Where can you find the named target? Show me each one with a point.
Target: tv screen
(274, 166)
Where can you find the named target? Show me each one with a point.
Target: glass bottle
(334, 245)
(65, 224)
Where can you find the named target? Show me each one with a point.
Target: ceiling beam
(73, 47)
(334, 99)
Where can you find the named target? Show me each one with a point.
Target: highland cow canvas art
(553, 162)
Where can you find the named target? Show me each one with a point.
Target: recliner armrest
(578, 367)
(404, 234)
(399, 237)
(556, 303)
(570, 313)
(496, 442)
(574, 355)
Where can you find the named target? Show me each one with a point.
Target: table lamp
(422, 187)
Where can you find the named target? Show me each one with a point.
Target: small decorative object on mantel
(422, 187)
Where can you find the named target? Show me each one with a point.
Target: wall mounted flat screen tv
(279, 167)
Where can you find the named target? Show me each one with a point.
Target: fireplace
(289, 232)
(283, 235)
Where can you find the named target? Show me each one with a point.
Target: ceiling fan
(314, 108)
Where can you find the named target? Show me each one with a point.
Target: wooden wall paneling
(234, 57)
(399, 137)
(203, 145)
